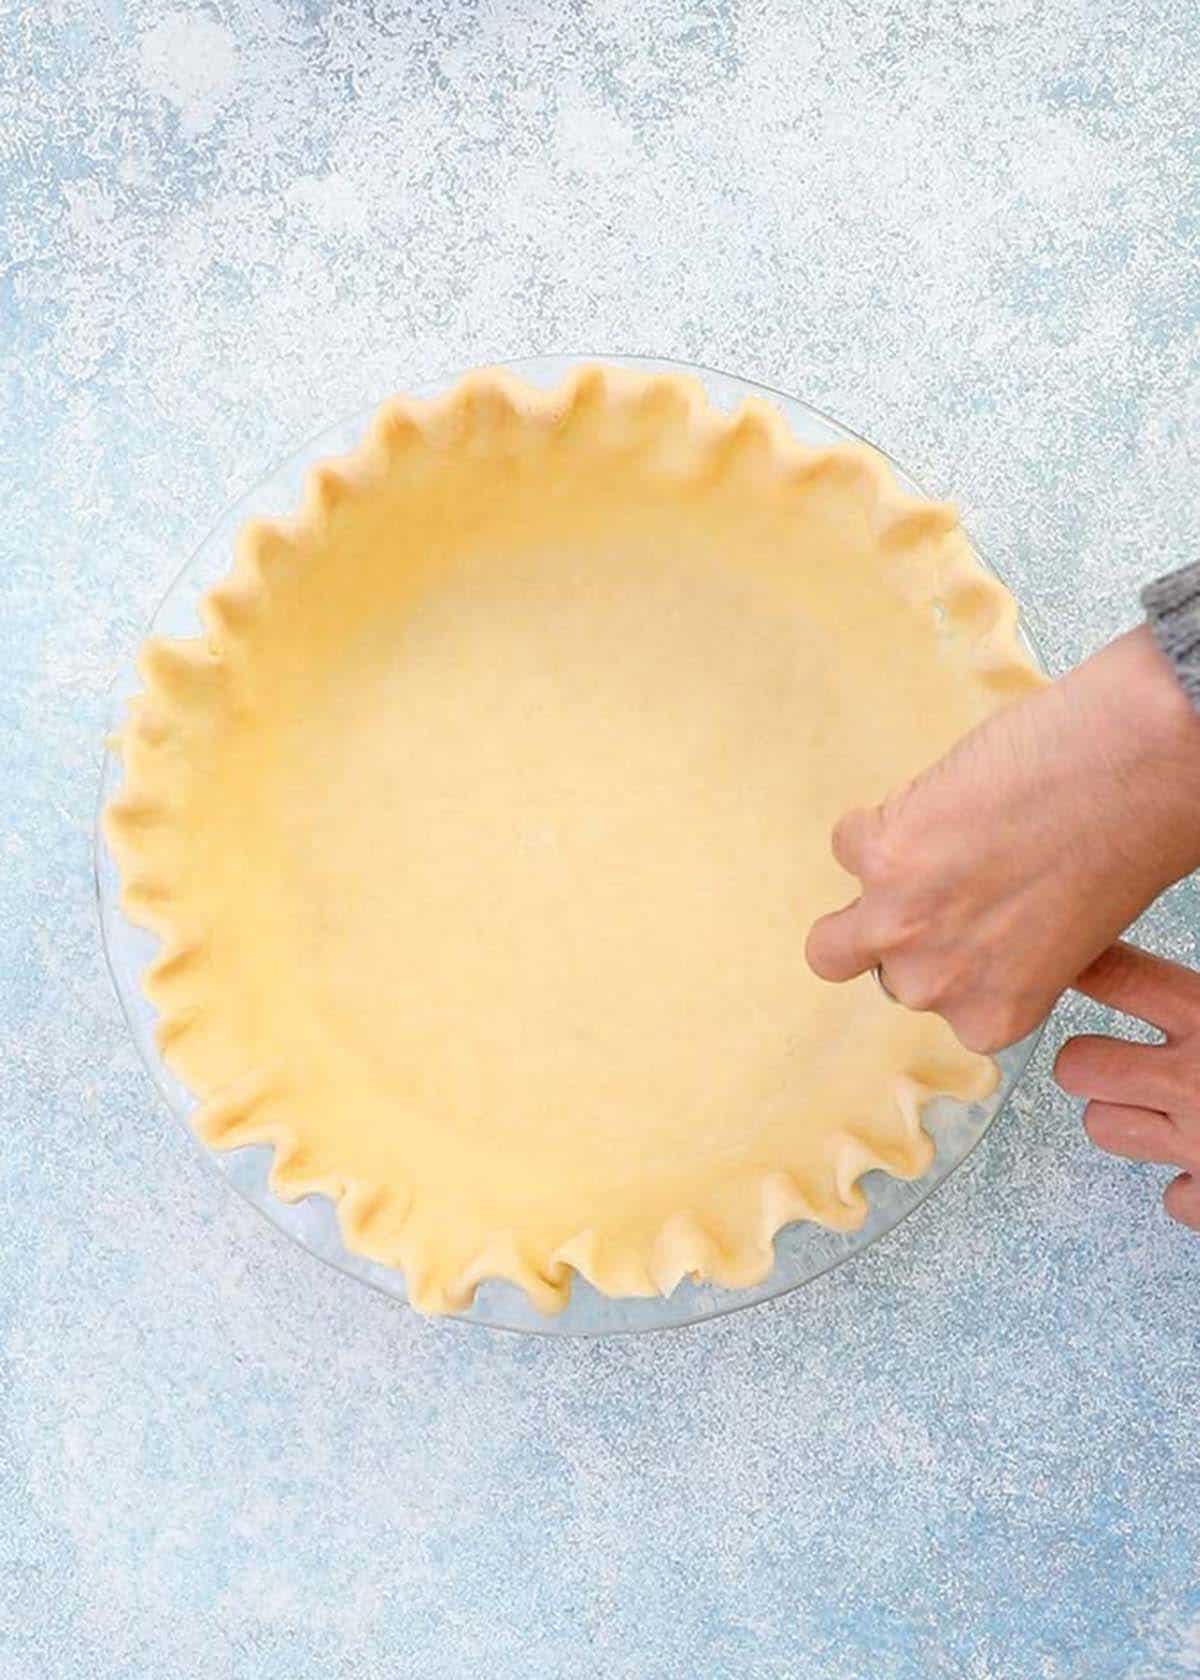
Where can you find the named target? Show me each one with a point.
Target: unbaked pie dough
(484, 824)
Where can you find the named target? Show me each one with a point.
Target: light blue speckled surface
(970, 230)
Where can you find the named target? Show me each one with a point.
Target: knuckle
(985, 1028)
(911, 995)
(974, 1034)
(933, 979)
(922, 992)
(1012, 1020)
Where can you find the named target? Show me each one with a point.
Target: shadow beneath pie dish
(803, 1251)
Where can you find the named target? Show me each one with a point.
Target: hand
(998, 875)
(1144, 1098)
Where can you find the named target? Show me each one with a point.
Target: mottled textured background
(971, 231)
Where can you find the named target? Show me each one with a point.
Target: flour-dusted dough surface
(484, 826)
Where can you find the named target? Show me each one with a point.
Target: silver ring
(887, 991)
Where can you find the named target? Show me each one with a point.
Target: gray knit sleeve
(1172, 606)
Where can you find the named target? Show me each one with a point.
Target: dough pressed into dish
(484, 823)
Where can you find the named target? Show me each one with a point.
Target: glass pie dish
(802, 1250)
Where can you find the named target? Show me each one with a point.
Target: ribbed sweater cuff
(1172, 606)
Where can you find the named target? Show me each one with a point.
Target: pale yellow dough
(484, 826)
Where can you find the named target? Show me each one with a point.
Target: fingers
(838, 947)
(1139, 1134)
(1160, 992)
(1115, 1071)
(1182, 1200)
(1140, 1092)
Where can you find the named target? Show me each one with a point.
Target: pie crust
(483, 824)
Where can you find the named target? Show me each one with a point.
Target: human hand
(1144, 1099)
(999, 874)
